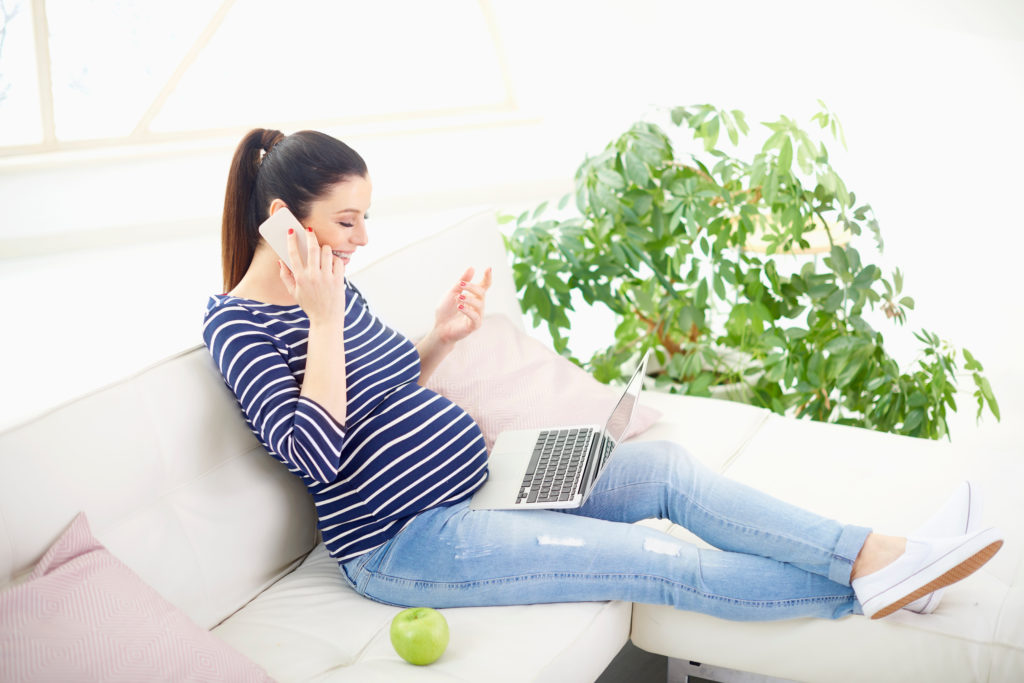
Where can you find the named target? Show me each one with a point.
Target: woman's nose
(359, 236)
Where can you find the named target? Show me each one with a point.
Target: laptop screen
(624, 409)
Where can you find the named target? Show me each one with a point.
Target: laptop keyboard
(556, 466)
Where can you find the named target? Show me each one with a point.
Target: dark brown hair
(298, 169)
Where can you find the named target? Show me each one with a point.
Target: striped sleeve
(294, 429)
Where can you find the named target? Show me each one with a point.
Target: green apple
(419, 635)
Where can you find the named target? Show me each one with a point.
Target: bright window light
(133, 71)
(110, 59)
(323, 61)
(20, 122)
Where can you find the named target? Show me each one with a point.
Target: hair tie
(275, 137)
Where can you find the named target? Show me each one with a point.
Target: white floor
(82, 319)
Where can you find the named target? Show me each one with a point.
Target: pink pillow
(83, 615)
(506, 379)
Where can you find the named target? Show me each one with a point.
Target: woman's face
(339, 217)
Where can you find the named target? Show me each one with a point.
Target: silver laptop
(555, 467)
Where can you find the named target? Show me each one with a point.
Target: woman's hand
(318, 286)
(461, 311)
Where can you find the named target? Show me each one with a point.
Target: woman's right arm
(294, 428)
(318, 287)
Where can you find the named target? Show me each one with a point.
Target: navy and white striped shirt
(403, 448)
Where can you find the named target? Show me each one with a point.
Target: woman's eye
(352, 225)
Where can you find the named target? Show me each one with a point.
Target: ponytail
(298, 169)
(240, 224)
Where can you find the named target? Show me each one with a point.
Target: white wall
(931, 95)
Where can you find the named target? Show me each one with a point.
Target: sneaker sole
(971, 524)
(960, 571)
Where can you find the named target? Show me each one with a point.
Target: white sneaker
(960, 514)
(927, 565)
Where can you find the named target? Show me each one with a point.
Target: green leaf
(774, 141)
(834, 301)
(839, 262)
(730, 128)
(689, 317)
(741, 121)
(700, 385)
(771, 187)
(913, 421)
(786, 155)
(866, 276)
(718, 285)
(701, 298)
(972, 362)
(816, 369)
(985, 394)
(842, 134)
(821, 289)
(829, 181)
(709, 131)
(803, 159)
(853, 258)
(636, 170)
(849, 373)
(843, 345)
(611, 178)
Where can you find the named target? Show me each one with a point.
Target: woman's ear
(275, 205)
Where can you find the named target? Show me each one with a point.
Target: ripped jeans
(773, 560)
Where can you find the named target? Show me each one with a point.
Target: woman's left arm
(459, 314)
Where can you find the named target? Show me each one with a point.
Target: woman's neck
(262, 281)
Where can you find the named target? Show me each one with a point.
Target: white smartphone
(275, 231)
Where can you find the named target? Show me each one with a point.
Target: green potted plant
(696, 254)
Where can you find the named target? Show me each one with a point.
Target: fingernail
(291, 230)
(462, 284)
(309, 229)
(460, 307)
(462, 296)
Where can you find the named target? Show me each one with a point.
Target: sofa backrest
(405, 287)
(171, 480)
(170, 477)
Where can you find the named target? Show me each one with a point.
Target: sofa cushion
(507, 380)
(83, 615)
(712, 430)
(312, 626)
(891, 483)
(173, 481)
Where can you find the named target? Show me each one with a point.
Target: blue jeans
(773, 560)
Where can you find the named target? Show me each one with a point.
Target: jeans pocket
(358, 570)
(351, 569)
(383, 553)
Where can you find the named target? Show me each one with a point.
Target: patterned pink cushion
(508, 380)
(83, 615)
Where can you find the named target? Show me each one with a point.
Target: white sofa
(176, 486)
